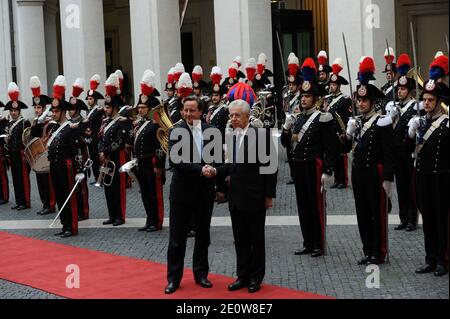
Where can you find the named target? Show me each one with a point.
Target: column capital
(28, 3)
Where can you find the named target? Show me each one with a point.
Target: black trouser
(404, 171)
(290, 160)
(249, 242)
(93, 152)
(63, 179)
(371, 210)
(432, 199)
(4, 182)
(151, 192)
(116, 193)
(180, 215)
(46, 192)
(82, 194)
(20, 171)
(340, 169)
(307, 177)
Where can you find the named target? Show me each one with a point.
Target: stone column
(243, 27)
(83, 40)
(155, 38)
(367, 25)
(30, 46)
(5, 53)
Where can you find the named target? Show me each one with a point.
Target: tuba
(159, 115)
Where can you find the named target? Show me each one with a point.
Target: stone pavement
(335, 275)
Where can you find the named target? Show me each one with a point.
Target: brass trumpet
(106, 176)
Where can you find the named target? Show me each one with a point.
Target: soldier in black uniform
(218, 117)
(432, 175)
(45, 187)
(401, 113)
(340, 106)
(77, 120)
(95, 119)
(4, 183)
(20, 169)
(63, 147)
(114, 134)
(390, 88)
(314, 147)
(200, 89)
(371, 137)
(151, 162)
(324, 71)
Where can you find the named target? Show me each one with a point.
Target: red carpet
(42, 265)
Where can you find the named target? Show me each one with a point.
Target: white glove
(324, 180)
(257, 123)
(387, 186)
(392, 112)
(352, 125)
(290, 121)
(414, 125)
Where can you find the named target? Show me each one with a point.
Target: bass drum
(36, 154)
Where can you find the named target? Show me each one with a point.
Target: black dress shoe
(40, 212)
(118, 222)
(47, 211)
(67, 234)
(363, 261)
(191, 234)
(254, 287)
(22, 207)
(317, 253)
(237, 285)
(15, 207)
(411, 227)
(304, 251)
(108, 222)
(440, 271)
(401, 227)
(291, 182)
(152, 229)
(204, 283)
(373, 260)
(81, 218)
(144, 228)
(60, 233)
(341, 186)
(171, 288)
(426, 269)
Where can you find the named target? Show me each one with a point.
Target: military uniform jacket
(373, 145)
(219, 117)
(432, 158)
(65, 143)
(318, 140)
(114, 134)
(146, 144)
(95, 118)
(174, 109)
(3, 126)
(401, 137)
(340, 106)
(15, 130)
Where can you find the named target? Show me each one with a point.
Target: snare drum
(36, 154)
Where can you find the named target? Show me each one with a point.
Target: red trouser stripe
(73, 199)
(159, 196)
(52, 193)
(383, 215)
(26, 179)
(3, 176)
(123, 181)
(320, 208)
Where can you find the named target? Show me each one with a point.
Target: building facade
(79, 38)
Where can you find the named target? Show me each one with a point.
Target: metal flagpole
(186, 2)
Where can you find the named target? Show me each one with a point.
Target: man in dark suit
(191, 194)
(251, 193)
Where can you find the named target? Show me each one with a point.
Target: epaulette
(384, 121)
(325, 117)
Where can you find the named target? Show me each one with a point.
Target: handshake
(209, 172)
